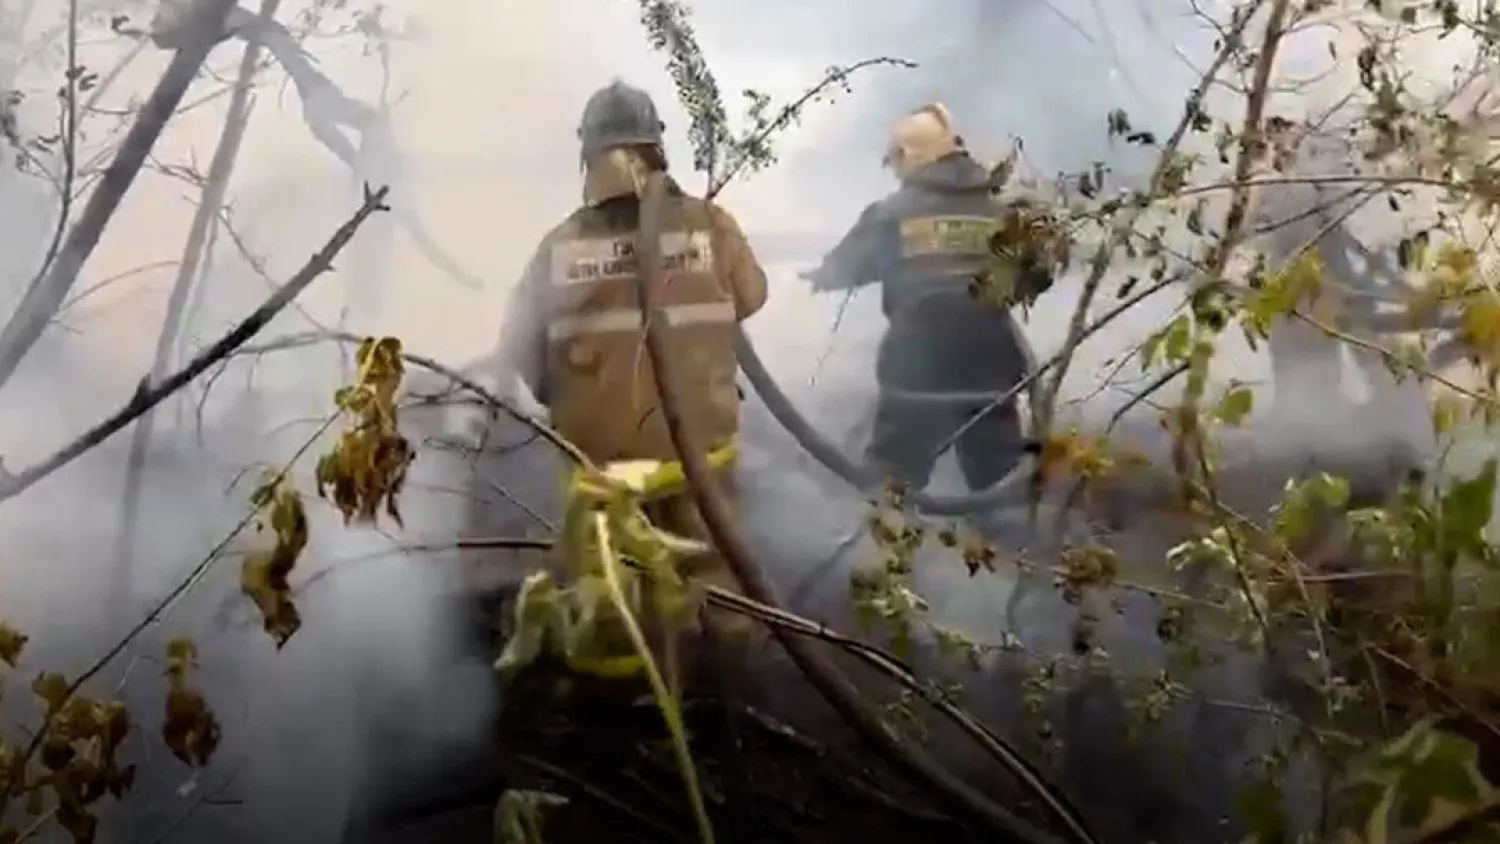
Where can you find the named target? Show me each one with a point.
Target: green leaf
(1444, 772)
(1467, 506)
(1260, 805)
(1421, 772)
(1235, 405)
(1447, 412)
(521, 815)
(1304, 501)
(1178, 340)
(537, 614)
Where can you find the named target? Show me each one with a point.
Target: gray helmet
(615, 116)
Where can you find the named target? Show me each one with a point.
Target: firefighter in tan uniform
(574, 335)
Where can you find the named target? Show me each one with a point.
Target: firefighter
(1305, 360)
(574, 334)
(946, 355)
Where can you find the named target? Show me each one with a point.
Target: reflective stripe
(937, 397)
(952, 234)
(629, 319)
(592, 261)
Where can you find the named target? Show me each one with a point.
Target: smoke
(1047, 73)
(381, 687)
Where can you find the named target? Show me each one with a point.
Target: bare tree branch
(193, 251)
(43, 300)
(1252, 135)
(220, 169)
(792, 110)
(148, 397)
(495, 402)
(69, 146)
(826, 677)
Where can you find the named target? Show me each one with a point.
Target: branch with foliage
(72, 759)
(1422, 558)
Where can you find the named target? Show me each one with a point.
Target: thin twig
(215, 187)
(538, 426)
(1245, 182)
(69, 146)
(193, 254)
(819, 671)
(789, 113)
(157, 612)
(1393, 358)
(1035, 375)
(106, 282)
(201, 799)
(1157, 384)
(594, 791)
(145, 399)
(1042, 413)
(41, 302)
(34, 828)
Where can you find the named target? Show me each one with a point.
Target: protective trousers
(679, 514)
(710, 661)
(1401, 414)
(1308, 368)
(909, 431)
(1306, 364)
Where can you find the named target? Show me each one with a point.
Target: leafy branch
(719, 152)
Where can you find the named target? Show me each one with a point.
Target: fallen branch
(147, 398)
(819, 671)
(43, 300)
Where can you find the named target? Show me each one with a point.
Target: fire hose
(822, 673)
(869, 479)
(863, 477)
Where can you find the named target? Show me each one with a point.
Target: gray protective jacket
(927, 243)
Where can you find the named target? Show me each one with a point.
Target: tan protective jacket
(574, 332)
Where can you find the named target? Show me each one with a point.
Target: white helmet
(920, 138)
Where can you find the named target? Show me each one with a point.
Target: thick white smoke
(485, 102)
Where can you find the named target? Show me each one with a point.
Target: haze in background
(486, 103)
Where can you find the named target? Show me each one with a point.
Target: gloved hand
(815, 278)
(514, 392)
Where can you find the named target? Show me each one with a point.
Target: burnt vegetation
(1362, 588)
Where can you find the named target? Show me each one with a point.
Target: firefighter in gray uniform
(1307, 364)
(946, 355)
